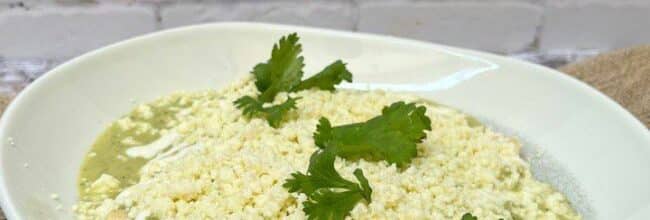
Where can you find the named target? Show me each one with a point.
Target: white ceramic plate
(577, 139)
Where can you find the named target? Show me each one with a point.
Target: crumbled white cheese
(129, 141)
(233, 168)
(143, 215)
(104, 184)
(125, 123)
(144, 111)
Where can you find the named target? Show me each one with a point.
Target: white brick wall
(338, 15)
(63, 32)
(595, 24)
(498, 27)
(56, 29)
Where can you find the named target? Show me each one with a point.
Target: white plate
(592, 149)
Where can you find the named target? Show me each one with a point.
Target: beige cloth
(623, 75)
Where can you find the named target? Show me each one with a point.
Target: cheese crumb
(144, 111)
(105, 184)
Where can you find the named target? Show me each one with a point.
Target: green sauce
(107, 148)
(110, 153)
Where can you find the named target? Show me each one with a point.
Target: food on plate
(277, 145)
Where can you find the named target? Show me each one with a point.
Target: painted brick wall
(33, 32)
(60, 29)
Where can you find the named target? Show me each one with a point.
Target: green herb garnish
(468, 216)
(332, 75)
(392, 136)
(283, 73)
(330, 196)
(273, 114)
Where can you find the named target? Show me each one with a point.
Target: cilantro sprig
(251, 107)
(392, 136)
(329, 196)
(468, 216)
(283, 73)
(332, 75)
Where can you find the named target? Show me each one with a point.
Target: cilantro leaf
(330, 196)
(468, 216)
(282, 71)
(392, 136)
(273, 114)
(366, 191)
(327, 78)
(328, 204)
